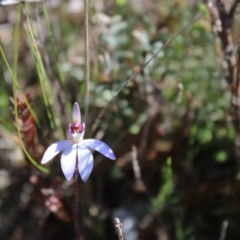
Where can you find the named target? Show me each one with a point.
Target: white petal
(76, 113)
(85, 162)
(54, 149)
(99, 146)
(68, 161)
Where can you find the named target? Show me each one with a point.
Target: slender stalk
(16, 40)
(15, 87)
(43, 78)
(238, 75)
(76, 202)
(224, 230)
(55, 51)
(118, 228)
(87, 73)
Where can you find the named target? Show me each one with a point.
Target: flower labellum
(77, 152)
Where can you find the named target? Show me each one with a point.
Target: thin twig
(136, 73)
(233, 9)
(223, 20)
(118, 226)
(236, 92)
(227, 41)
(87, 73)
(137, 171)
(224, 230)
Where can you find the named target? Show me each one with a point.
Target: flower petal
(76, 113)
(99, 146)
(54, 149)
(68, 161)
(85, 162)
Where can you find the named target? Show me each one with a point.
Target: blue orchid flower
(77, 152)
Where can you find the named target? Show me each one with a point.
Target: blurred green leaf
(221, 156)
(121, 3)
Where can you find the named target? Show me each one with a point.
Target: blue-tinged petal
(68, 161)
(85, 162)
(76, 113)
(99, 146)
(54, 149)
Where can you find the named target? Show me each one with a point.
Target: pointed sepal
(54, 149)
(99, 146)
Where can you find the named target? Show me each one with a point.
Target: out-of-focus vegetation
(177, 113)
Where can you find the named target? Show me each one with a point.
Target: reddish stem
(76, 202)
